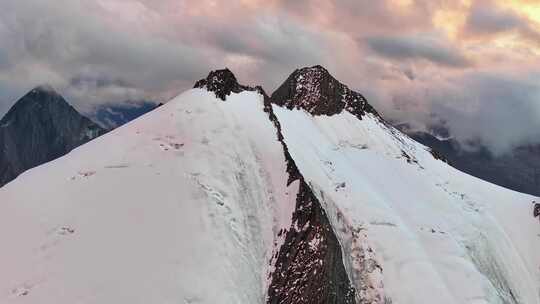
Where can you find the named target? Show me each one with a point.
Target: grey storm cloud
(489, 20)
(418, 48)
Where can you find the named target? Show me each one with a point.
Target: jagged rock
(222, 83)
(438, 155)
(314, 90)
(309, 267)
(40, 127)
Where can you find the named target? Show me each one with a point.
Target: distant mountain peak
(45, 88)
(316, 91)
(40, 127)
(38, 101)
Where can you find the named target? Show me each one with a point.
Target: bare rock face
(40, 127)
(309, 267)
(314, 90)
(222, 83)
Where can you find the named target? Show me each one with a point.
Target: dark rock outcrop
(40, 127)
(222, 83)
(314, 90)
(438, 155)
(309, 266)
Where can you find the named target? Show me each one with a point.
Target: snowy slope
(179, 206)
(436, 235)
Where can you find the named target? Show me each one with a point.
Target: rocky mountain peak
(44, 88)
(222, 83)
(316, 91)
(40, 127)
(40, 100)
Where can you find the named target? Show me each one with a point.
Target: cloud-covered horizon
(470, 65)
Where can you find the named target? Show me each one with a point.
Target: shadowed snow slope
(193, 203)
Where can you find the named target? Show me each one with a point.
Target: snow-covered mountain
(227, 195)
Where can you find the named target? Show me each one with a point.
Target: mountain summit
(315, 90)
(223, 83)
(40, 127)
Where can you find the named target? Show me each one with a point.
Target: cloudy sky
(472, 66)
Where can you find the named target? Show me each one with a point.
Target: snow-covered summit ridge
(315, 90)
(223, 83)
(306, 264)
